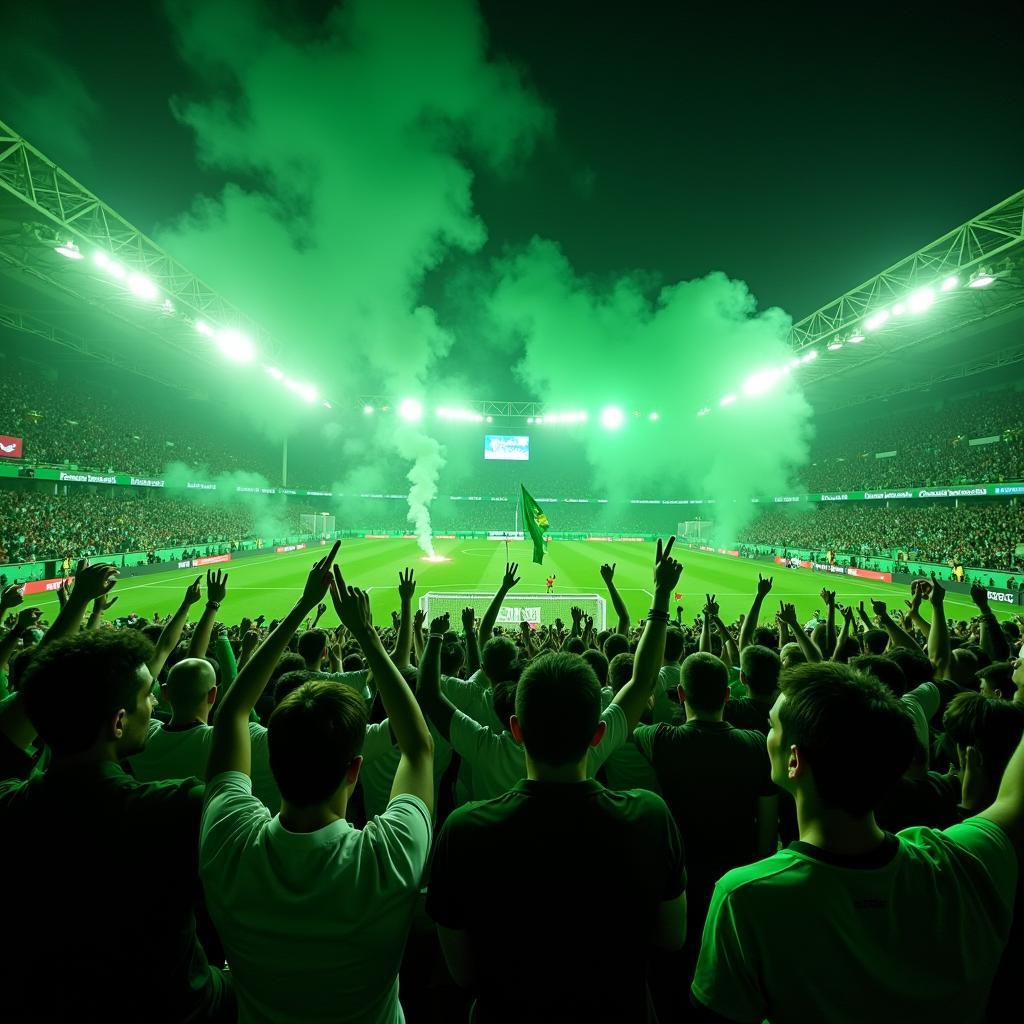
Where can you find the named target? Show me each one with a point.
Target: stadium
(315, 430)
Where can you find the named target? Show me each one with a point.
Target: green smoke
(346, 156)
(670, 350)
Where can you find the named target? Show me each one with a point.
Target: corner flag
(537, 523)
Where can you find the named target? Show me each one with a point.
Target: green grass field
(268, 584)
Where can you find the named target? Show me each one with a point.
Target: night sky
(801, 151)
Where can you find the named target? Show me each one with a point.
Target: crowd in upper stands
(232, 819)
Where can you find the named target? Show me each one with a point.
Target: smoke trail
(428, 458)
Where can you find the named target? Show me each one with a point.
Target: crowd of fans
(978, 534)
(757, 811)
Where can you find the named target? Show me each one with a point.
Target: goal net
(696, 530)
(537, 609)
(315, 525)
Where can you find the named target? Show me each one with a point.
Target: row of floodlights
(411, 410)
(231, 343)
(917, 302)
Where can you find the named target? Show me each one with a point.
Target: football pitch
(268, 584)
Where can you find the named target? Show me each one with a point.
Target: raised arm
(417, 632)
(919, 589)
(508, 581)
(829, 597)
(650, 651)
(787, 613)
(898, 636)
(216, 591)
(403, 645)
(527, 637)
(710, 611)
(868, 624)
(847, 613)
(436, 706)
(99, 606)
(1008, 809)
(472, 647)
(171, 633)
(231, 749)
(993, 641)
(415, 773)
(764, 586)
(730, 652)
(940, 653)
(608, 575)
(92, 581)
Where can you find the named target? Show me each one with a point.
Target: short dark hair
(598, 662)
(575, 645)
(999, 676)
(830, 712)
(289, 662)
(993, 727)
(620, 671)
(353, 663)
(765, 636)
(705, 681)
(675, 641)
(312, 643)
(313, 736)
(884, 669)
(503, 700)
(452, 657)
(761, 667)
(615, 643)
(498, 657)
(290, 681)
(915, 664)
(558, 705)
(74, 686)
(876, 641)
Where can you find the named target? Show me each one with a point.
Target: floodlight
(70, 250)
(114, 269)
(273, 371)
(950, 283)
(704, 411)
(876, 320)
(167, 307)
(809, 356)
(490, 419)
(100, 258)
(761, 382)
(612, 417)
(794, 363)
(727, 400)
(305, 391)
(898, 309)
(529, 419)
(206, 330)
(920, 300)
(835, 345)
(410, 410)
(235, 346)
(327, 405)
(141, 286)
(653, 416)
(981, 278)
(367, 410)
(856, 338)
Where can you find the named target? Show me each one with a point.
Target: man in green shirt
(851, 923)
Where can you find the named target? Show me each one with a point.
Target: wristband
(213, 604)
(656, 616)
(435, 636)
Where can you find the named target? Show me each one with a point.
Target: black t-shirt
(747, 713)
(102, 876)
(930, 801)
(711, 775)
(15, 763)
(547, 879)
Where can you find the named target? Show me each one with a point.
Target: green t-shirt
(913, 932)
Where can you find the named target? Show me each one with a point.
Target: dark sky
(799, 150)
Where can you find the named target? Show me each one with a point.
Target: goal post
(696, 530)
(537, 609)
(316, 524)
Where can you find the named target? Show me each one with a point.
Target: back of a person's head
(558, 705)
(598, 662)
(964, 667)
(765, 636)
(311, 646)
(620, 671)
(498, 658)
(152, 632)
(761, 667)
(675, 641)
(503, 700)
(288, 662)
(290, 681)
(452, 657)
(615, 644)
(993, 727)
(854, 734)
(74, 687)
(705, 681)
(915, 664)
(885, 670)
(574, 645)
(313, 736)
(791, 655)
(997, 680)
(189, 684)
(353, 663)
(876, 641)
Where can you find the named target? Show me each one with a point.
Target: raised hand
(418, 618)
(103, 603)
(250, 640)
(440, 625)
(979, 595)
(577, 615)
(193, 592)
(319, 579)
(764, 585)
(846, 611)
(216, 586)
(406, 584)
(666, 569)
(828, 596)
(879, 608)
(711, 606)
(510, 579)
(787, 614)
(396, 620)
(468, 619)
(608, 571)
(94, 581)
(27, 618)
(11, 597)
(352, 606)
(937, 594)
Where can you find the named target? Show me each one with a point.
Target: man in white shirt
(179, 749)
(313, 913)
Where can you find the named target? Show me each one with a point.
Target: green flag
(537, 523)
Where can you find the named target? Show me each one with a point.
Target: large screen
(507, 446)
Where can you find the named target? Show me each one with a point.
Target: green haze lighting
(305, 391)
(920, 300)
(653, 416)
(273, 371)
(69, 250)
(876, 320)
(950, 283)
(410, 410)
(981, 278)
(612, 417)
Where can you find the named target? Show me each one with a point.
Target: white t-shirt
(499, 762)
(922, 702)
(380, 762)
(474, 697)
(359, 681)
(181, 753)
(314, 924)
